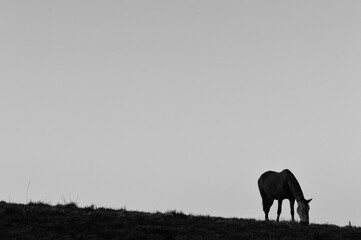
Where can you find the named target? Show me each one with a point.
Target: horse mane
(294, 185)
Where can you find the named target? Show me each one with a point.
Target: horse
(279, 186)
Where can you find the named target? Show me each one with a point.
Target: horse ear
(308, 201)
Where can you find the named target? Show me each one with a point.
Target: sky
(181, 105)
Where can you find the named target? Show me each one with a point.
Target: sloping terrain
(42, 221)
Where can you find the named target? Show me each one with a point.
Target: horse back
(274, 185)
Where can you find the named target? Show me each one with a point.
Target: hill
(42, 221)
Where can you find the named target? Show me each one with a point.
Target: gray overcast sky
(163, 105)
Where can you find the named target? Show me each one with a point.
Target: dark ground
(42, 221)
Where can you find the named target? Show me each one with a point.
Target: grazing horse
(279, 186)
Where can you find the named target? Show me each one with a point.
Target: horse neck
(295, 188)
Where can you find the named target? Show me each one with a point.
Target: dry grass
(68, 221)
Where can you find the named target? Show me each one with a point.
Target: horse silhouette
(279, 186)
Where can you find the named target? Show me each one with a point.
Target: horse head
(302, 210)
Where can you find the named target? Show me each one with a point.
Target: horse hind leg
(267, 203)
(279, 210)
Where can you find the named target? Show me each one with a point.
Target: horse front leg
(292, 207)
(279, 210)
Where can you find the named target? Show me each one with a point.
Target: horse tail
(261, 191)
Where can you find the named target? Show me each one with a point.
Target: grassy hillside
(42, 221)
